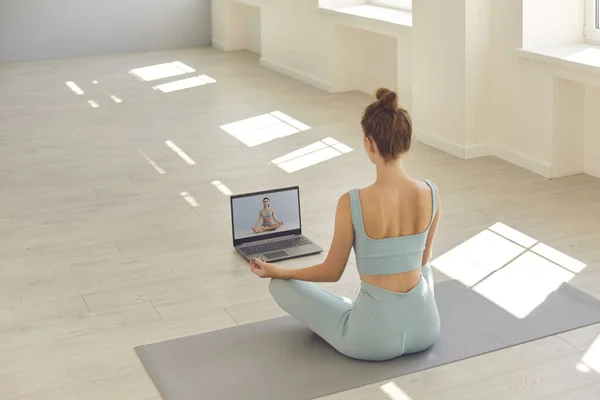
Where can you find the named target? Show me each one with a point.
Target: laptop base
(282, 254)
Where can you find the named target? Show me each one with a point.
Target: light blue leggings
(379, 325)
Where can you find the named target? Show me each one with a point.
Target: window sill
(583, 56)
(374, 18)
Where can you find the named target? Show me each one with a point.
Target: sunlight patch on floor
(183, 84)
(522, 285)
(591, 358)
(154, 165)
(75, 88)
(190, 199)
(264, 128)
(559, 258)
(509, 268)
(394, 392)
(476, 258)
(310, 155)
(180, 152)
(161, 71)
(512, 235)
(222, 188)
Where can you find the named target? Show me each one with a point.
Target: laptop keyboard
(268, 247)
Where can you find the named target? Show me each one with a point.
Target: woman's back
(391, 226)
(396, 218)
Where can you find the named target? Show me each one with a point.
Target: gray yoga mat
(232, 363)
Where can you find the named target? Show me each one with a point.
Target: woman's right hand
(263, 269)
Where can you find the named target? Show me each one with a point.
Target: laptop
(268, 225)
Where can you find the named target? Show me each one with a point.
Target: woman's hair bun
(387, 99)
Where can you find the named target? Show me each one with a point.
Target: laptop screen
(257, 216)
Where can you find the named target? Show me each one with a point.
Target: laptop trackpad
(275, 254)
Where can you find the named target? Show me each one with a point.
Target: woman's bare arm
(274, 217)
(332, 269)
(258, 220)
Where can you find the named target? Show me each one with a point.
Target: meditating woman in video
(391, 225)
(267, 221)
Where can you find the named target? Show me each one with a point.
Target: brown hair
(388, 125)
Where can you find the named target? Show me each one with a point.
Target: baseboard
(294, 73)
(440, 143)
(476, 151)
(522, 160)
(217, 44)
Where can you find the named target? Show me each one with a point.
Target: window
(592, 23)
(399, 4)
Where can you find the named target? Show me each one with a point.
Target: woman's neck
(391, 172)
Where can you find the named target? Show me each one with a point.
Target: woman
(268, 218)
(391, 225)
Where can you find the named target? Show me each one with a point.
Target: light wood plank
(534, 382)
(66, 394)
(189, 286)
(582, 338)
(39, 332)
(9, 299)
(21, 316)
(58, 376)
(587, 392)
(136, 386)
(96, 343)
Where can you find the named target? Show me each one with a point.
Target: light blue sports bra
(268, 214)
(391, 255)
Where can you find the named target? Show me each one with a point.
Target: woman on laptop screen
(267, 221)
(391, 225)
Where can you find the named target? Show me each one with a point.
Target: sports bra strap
(357, 218)
(434, 201)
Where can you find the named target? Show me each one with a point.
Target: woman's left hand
(263, 269)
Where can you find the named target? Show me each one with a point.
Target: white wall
(43, 29)
(439, 72)
(253, 31)
(220, 11)
(537, 110)
(237, 26)
(478, 64)
(564, 16)
(297, 40)
(592, 130)
(469, 92)
(568, 126)
(363, 61)
(520, 98)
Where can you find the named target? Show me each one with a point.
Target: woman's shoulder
(431, 191)
(350, 196)
(427, 182)
(346, 197)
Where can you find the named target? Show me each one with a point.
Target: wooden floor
(101, 252)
